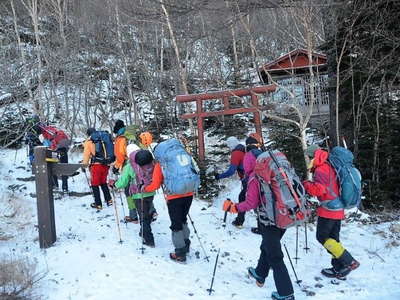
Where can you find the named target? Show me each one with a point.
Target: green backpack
(131, 133)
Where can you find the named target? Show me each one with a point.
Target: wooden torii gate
(200, 114)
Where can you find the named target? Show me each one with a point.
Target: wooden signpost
(45, 166)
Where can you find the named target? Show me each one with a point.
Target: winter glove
(229, 206)
(143, 189)
(233, 209)
(216, 175)
(310, 164)
(111, 183)
(115, 171)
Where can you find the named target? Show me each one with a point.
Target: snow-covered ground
(87, 262)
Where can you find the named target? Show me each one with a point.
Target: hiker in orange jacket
(178, 209)
(98, 173)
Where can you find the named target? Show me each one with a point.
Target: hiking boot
(109, 202)
(178, 258)
(255, 230)
(94, 205)
(276, 296)
(149, 243)
(339, 274)
(259, 280)
(128, 219)
(237, 224)
(354, 265)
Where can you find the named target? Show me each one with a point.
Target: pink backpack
(144, 174)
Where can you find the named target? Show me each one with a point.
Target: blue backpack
(178, 167)
(349, 177)
(104, 147)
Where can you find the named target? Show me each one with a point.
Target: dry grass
(19, 278)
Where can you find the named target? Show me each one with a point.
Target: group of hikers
(266, 177)
(269, 186)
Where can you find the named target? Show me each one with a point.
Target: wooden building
(291, 73)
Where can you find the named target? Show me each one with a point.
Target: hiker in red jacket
(325, 187)
(60, 143)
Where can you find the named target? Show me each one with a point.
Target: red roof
(295, 59)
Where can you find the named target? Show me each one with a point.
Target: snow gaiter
(178, 240)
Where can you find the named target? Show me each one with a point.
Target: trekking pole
(123, 209)
(141, 223)
(210, 290)
(117, 217)
(122, 202)
(201, 245)
(294, 271)
(15, 156)
(297, 244)
(88, 182)
(305, 235)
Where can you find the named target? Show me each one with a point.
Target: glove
(111, 183)
(229, 206)
(216, 175)
(142, 188)
(115, 171)
(233, 209)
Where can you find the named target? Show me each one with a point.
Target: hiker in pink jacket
(271, 256)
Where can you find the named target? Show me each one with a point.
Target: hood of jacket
(249, 161)
(320, 157)
(240, 147)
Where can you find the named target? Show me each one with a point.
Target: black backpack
(104, 147)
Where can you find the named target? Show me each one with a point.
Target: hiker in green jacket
(136, 174)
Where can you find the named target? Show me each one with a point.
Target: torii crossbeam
(200, 114)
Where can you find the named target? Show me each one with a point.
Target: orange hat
(146, 138)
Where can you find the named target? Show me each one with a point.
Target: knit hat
(118, 125)
(90, 130)
(143, 157)
(311, 150)
(232, 142)
(251, 141)
(131, 148)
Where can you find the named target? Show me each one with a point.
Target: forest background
(83, 64)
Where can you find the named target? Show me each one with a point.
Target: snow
(87, 262)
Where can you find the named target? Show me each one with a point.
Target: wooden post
(45, 200)
(257, 118)
(200, 131)
(44, 168)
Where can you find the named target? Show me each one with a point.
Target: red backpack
(286, 204)
(58, 138)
